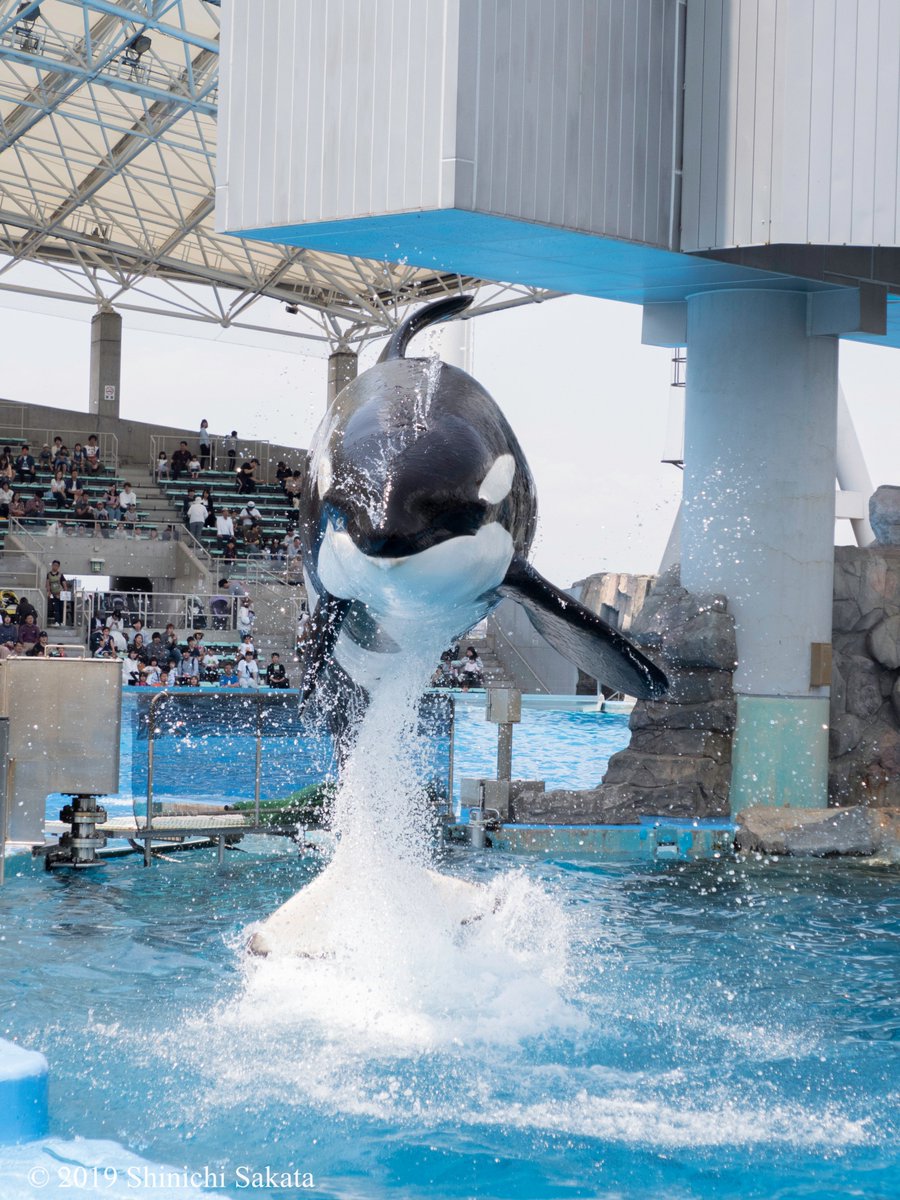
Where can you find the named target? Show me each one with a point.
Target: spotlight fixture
(139, 44)
(293, 309)
(24, 30)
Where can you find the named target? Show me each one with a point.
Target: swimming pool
(699, 1030)
(711, 1030)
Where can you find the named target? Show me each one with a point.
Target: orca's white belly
(449, 576)
(427, 598)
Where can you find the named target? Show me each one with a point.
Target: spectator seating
(276, 511)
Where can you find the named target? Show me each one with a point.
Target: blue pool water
(624, 1030)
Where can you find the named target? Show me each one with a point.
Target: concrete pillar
(852, 472)
(758, 523)
(343, 367)
(106, 363)
(457, 344)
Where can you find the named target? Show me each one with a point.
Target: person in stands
(276, 676)
(230, 446)
(40, 649)
(180, 460)
(55, 584)
(245, 480)
(224, 528)
(59, 488)
(162, 465)
(128, 506)
(92, 461)
(29, 632)
(470, 670)
(203, 441)
(248, 671)
(229, 677)
(25, 466)
(35, 509)
(6, 497)
(196, 517)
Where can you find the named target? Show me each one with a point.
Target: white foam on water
(411, 965)
(414, 1018)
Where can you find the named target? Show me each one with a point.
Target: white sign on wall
(109, 393)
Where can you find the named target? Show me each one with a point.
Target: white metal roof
(107, 176)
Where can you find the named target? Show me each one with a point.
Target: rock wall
(865, 688)
(678, 763)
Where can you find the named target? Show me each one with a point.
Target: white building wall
(559, 112)
(791, 123)
(334, 108)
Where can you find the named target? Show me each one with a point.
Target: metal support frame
(139, 235)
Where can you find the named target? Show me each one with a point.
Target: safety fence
(36, 437)
(252, 748)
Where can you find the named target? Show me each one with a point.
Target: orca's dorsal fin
(440, 310)
(581, 636)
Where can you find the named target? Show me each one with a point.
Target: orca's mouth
(464, 521)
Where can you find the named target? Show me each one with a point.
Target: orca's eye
(496, 484)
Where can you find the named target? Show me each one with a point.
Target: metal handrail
(162, 608)
(36, 436)
(496, 631)
(247, 448)
(156, 701)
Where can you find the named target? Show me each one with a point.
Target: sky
(587, 401)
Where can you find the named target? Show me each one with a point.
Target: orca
(419, 511)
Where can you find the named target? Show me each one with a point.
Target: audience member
(203, 442)
(248, 671)
(55, 584)
(92, 455)
(180, 460)
(59, 488)
(229, 445)
(28, 630)
(40, 647)
(162, 466)
(196, 517)
(276, 676)
(224, 527)
(6, 497)
(245, 480)
(25, 466)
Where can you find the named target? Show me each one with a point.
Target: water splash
(402, 956)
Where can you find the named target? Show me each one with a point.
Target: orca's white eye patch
(496, 484)
(324, 477)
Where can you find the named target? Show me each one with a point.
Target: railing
(60, 523)
(36, 437)
(219, 460)
(36, 597)
(497, 632)
(155, 703)
(187, 611)
(263, 571)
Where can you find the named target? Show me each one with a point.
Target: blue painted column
(758, 522)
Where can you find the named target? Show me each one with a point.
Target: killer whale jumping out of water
(419, 512)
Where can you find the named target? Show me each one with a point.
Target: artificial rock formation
(678, 762)
(865, 688)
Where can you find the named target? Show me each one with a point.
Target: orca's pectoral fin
(325, 626)
(581, 636)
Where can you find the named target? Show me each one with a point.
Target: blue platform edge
(654, 839)
(24, 1094)
(489, 246)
